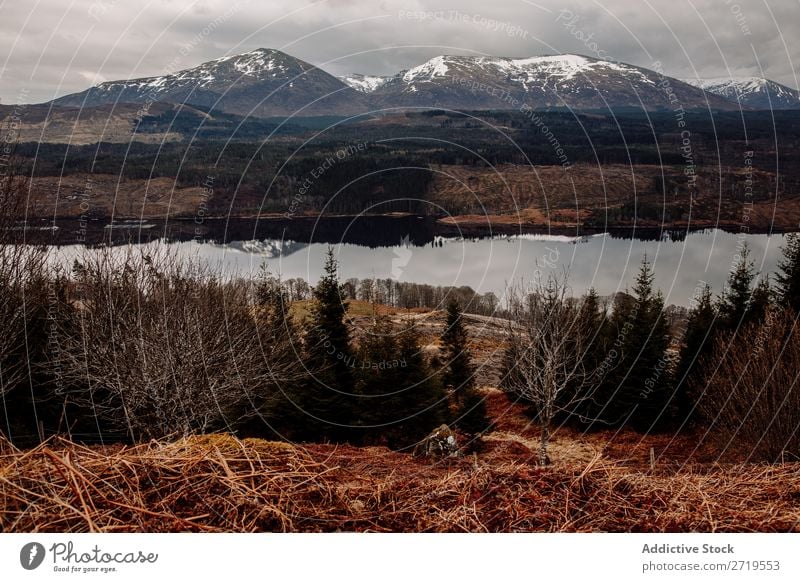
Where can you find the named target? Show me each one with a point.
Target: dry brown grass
(108, 195)
(219, 483)
(511, 197)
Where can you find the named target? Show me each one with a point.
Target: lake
(682, 263)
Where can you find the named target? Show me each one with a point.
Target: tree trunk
(543, 442)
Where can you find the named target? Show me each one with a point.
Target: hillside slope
(220, 483)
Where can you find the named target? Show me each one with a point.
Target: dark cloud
(52, 48)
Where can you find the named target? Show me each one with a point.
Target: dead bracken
(220, 483)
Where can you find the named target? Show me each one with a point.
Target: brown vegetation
(550, 196)
(157, 347)
(88, 125)
(107, 196)
(218, 483)
(749, 395)
(506, 200)
(599, 482)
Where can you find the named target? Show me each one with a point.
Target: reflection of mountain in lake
(271, 249)
(608, 264)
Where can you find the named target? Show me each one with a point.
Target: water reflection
(607, 263)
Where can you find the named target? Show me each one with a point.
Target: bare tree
(545, 357)
(23, 288)
(159, 347)
(750, 396)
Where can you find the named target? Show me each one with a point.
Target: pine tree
(377, 380)
(595, 325)
(326, 401)
(459, 376)
(590, 310)
(636, 389)
(459, 373)
(760, 300)
(736, 305)
(788, 278)
(400, 399)
(698, 342)
(650, 370)
(281, 347)
(423, 401)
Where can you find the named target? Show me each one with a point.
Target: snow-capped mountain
(364, 83)
(262, 83)
(566, 80)
(751, 92)
(269, 83)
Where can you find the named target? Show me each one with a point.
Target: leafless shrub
(23, 296)
(157, 346)
(750, 394)
(545, 355)
(12, 203)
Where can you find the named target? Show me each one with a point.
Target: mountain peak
(364, 83)
(750, 91)
(544, 81)
(264, 81)
(563, 65)
(255, 62)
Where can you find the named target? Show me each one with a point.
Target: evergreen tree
(698, 341)
(788, 277)
(760, 300)
(423, 402)
(595, 329)
(327, 398)
(595, 326)
(591, 314)
(459, 373)
(636, 388)
(400, 399)
(459, 376)
(377, 378)
(281, 347)
(736, 304)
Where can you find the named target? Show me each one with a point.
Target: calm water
(601, 261)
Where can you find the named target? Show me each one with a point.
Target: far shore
(368, 229)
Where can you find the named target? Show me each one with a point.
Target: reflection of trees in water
(368, 231)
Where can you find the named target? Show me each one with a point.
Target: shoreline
(374, 229)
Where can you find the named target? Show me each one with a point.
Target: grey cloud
(51, 48)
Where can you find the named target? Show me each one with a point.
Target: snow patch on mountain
(436, 67)
(257, 64)
(364, 83)
(524, 70)
(745, 83)
(753, 91)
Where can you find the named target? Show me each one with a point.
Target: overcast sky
(50, 48)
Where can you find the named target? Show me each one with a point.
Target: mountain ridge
(752, 92)
(566, 80)
(262, 83)
(270, 83)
